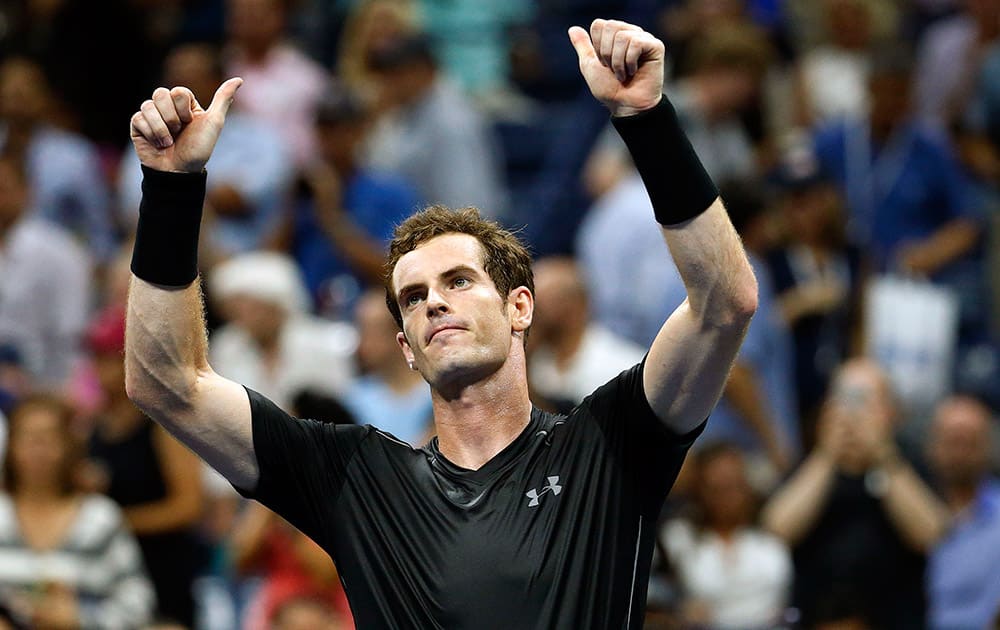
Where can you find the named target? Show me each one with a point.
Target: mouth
(441, 329)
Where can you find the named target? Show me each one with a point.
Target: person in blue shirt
(347, 212)
(906, 192)
(962, 583)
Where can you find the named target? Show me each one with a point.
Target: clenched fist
(172, 132)
(622, 63)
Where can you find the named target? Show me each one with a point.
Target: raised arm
(690, 358)
(166, 365)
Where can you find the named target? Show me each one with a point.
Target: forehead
(436, 256)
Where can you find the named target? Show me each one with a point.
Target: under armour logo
(535, 495)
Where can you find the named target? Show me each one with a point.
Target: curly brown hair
(505, 258)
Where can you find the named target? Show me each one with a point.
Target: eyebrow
(457, 269)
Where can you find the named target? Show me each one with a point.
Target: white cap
(266, 276)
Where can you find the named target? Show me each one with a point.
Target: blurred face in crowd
(39, 448)
(861, 391)
(194, 67)
(13, 193)
(560, 297)
(376, 333)
(959, 447)
(339, 142)
(890, 100)
(457, 328)
(732, 89)
(261, 319)
(256, 24)
(811, 214)
(24, 96)
(110, 369)
(723, 490)
(849, 23)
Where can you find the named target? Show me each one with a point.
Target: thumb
(581, 43)
(223, 98)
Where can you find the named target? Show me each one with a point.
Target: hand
(58, 609)
(919, 258)
(622, 64)
(171, 131)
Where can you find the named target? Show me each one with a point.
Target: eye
(460, 282)
(412, 299)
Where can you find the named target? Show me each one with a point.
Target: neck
(479, 420)
(120, 418)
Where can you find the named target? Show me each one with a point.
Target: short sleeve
(301, 463)
(648, 449)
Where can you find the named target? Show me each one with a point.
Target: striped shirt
(98, 559)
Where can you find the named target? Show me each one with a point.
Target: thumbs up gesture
(622, 64)
(172, 132)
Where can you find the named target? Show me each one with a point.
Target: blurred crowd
(847, 477)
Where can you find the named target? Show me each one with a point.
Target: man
(962, 583)
(341, 230)
(389, 394)
(271, 343)
(570, 355)
(429, 115)
(858, 518)
(64, 174)
(510, 517)
(45, 291)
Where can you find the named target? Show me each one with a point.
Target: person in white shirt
(45, 292)
(571, 354)
(731, 573)
(271, 343)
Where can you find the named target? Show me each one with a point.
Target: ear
(404, 345)
(521, 306)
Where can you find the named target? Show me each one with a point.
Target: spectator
(271, 344)
(963, 589)
(251, 173)
(67, 186)
(431, 117)
(292, 565)
(816, 278)
(949, 61)
(281, 84)
(46, 285)
(342, 227)
(731, 573)
(67, 559)
(389, 395)
(371, 26)
(905, 191)
(858, 518)
(149, 474)
(571, 355)
(832, 78)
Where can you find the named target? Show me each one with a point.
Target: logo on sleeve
(535, 496)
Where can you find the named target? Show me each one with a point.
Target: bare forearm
(794, 508)
(710, 257)
(162, 516)
(361, 252)
(166, 345)
(917, 514)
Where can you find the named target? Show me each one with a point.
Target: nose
(436, 304)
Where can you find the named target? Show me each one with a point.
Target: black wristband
(166, 240)
(675, 179)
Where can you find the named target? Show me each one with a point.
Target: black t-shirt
(556, 531)
(854, 560)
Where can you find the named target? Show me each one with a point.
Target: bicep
(217, 427)
(687, 367)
